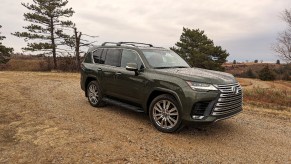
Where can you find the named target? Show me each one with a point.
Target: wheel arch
(88, 80)
(159, 91)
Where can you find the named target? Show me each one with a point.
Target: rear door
(110, 60)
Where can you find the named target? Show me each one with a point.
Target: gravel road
(45, 118)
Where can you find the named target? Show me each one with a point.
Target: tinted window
(88, 58)
(103, 56)
(97, 55)
(129, 56)
(113, 57)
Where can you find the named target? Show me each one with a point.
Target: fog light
(197, 117)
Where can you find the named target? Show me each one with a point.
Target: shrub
(266, 74)
(250, 73)
(286, 76)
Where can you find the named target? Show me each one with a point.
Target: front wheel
(165, 114)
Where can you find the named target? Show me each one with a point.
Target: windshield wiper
(180, 67)
(171, 67)
(162, 67)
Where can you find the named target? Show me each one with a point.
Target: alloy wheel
(165, 114)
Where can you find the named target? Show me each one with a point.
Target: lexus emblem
(234, 90)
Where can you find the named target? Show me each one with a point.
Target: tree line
(48, 30)
(51, 32)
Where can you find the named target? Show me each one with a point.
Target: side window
(129, 56)
(88, 58)
(103, 56)
(113, 57)
(97, 55)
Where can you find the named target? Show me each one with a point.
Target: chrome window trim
(121, 55)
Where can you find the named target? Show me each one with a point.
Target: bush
(286, 76)
(67, 64)
(4, 59)
(250, 74)
(266, 74)
(256, 61)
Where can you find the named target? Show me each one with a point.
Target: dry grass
(23, 65)
(20, 63)
(270, 98)
(272, 95)
(45, 118)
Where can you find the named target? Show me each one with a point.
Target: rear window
(113, 57)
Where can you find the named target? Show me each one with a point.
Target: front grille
(229, 101)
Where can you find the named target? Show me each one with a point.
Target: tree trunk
(53, 44)
(77, 48)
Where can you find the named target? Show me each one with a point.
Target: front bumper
(222, 104)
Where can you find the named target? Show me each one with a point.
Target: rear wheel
(94, 94)
(165, 114)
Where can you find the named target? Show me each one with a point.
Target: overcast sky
(246, 29)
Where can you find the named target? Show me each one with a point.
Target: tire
(165, 114)
(94, 94)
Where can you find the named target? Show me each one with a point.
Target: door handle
(99, 69)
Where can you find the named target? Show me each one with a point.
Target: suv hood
(199, 75)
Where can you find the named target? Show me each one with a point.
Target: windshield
(160, 59)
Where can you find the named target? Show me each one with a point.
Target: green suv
(159, 82)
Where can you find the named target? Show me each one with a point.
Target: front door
(130, 86)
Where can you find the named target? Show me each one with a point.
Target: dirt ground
(45, 118)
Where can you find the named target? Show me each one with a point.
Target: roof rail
(133, 43)
(104, 44)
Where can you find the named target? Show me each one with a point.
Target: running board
(121, 104)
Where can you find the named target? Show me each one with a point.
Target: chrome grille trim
(227, 108)
(230, 99)
(226, 112)
(223, 104)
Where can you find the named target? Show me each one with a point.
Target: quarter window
(88, 58)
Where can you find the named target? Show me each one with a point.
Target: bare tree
(77, 42)
(283, 45)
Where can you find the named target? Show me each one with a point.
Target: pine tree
(46, 31)
(5, 52)
(198, 50)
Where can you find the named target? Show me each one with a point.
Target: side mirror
(131, 67)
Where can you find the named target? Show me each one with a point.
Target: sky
(246, 29)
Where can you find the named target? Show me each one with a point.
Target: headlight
(201, 86)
